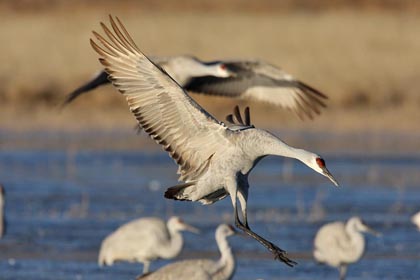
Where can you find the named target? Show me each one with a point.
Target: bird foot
(281, 255)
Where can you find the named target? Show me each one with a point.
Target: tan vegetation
(366, 61)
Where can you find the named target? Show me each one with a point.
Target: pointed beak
(233, 229)
(327, 174)
(241, 234)
(372, 231)
(231, 74)
(191, 229)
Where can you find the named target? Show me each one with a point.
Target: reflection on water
(60, 205)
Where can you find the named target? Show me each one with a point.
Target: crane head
(224, 71)
(361, 226)
(178, 224)
(225, 230)
(319, 166)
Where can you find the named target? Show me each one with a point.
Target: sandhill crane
(415, 219)
(241, 79)
(2, 218)
(144, 240)
(202, 269)
(214, 159)
(184, 69)
(260, 81)
(340, 244)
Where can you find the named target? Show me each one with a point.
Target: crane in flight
(241, 79)
(214, 159)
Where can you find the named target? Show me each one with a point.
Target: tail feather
(176, 192)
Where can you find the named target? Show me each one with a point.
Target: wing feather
(100, 79)
(261, 81)
(162, 108)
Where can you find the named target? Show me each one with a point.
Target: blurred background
(73, 175)
(363, 54)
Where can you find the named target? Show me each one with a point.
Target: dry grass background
(366, 60)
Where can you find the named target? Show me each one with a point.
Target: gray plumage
(260, 81)
(242, 79)
(184, 69)
(339, 244)
(214, 159)
(202, 269)
(144, 240)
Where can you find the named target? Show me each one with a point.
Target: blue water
(61, 204)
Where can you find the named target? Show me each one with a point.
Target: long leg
(275, 250)
(146, 266)
(343, 271)
(243, 197)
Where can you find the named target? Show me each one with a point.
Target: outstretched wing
(257, 80)
(100, 79)
(162, 108)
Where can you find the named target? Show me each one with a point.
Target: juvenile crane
(214, 159)
(202, 269)
(340, 244)
(144, 240)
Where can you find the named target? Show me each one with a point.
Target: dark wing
(232, 86)
(99, 80)
(261, 81)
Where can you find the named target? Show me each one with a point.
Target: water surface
(60, 205)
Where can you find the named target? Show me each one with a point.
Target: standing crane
(340, 244)
(202, 269)
(144, 240)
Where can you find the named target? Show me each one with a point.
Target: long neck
(173, 247)
(353, 233)
(279, 148)
(357, 243)
(262, 143)
(226, 263)
(183, 74)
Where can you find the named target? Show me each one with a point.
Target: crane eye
(320, 162)
(223, 67)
